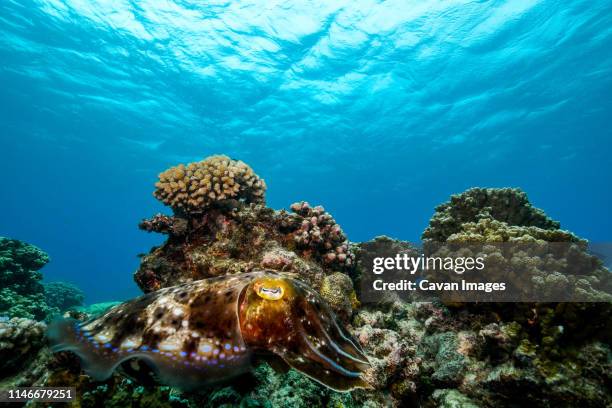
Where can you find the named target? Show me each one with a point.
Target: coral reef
(535, 263)
(63, 295)
(225, 241)
(197, 186)
(21, 293)
(230, 240)
(422, 353)
(392, 353)
(20, 340)
(426, 354)
(527, 352)
(263, 388)
(381, 246)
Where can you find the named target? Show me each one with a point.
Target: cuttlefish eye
(269, 291)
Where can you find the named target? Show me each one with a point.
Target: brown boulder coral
(337, 289)
(509, 205)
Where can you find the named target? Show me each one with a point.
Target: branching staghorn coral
(195, 187)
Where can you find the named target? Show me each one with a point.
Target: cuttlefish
(210, 330)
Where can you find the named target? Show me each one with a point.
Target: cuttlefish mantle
(210, 330)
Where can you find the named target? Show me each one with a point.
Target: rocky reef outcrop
(423, 354)
(236, 233)
(20, 341)
(498, 354)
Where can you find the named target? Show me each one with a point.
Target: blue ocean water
(378, 110)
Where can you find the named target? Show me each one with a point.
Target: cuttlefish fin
(64, 336)
(100, 361)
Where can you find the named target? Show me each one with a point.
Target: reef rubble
(423, 354)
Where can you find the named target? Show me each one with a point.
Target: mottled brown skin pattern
(207, 331)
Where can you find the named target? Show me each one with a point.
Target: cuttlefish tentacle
(302, 330)
(207, 331)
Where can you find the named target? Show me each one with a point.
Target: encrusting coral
(196, 186)
(20, 340)
(337, 290)
(165, 224)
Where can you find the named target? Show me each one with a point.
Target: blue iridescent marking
(115, 349)
(144, 348)
(228, 346)
(107, 345)
(183, 354)
(155, 351)
(206, 348)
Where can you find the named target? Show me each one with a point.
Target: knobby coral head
(196, 186)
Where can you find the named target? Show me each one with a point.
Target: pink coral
(316, 230)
